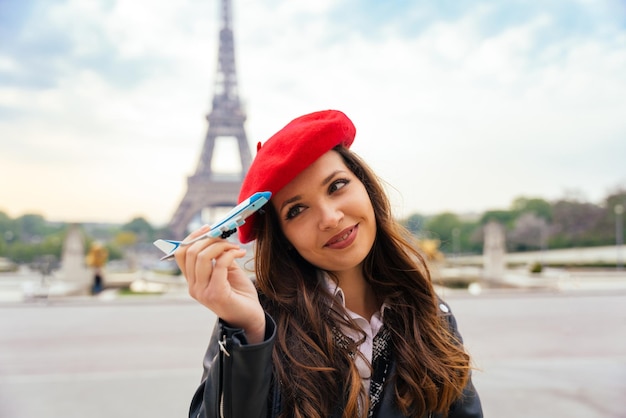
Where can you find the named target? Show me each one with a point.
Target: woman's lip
(343, 239)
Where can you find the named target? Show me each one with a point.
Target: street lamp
(619, 234)
(456, 242)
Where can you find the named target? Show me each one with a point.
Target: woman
(342, 320)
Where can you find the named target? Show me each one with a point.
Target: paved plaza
(537, 353)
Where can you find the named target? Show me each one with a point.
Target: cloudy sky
(459, 105)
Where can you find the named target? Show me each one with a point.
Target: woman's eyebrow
(330, 177)
(289, 201)
(295, 198)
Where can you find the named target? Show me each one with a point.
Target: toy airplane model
(222, 228)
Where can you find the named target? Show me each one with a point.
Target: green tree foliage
(531, 224)
(576, 224)
(8, 228)
(618, 197)
(28, 237)
(455, 234)
(470, 238)
(25, 252)
(31, 226)
(142, 229)
(443, 227)
(539, 207)
(505, 217)
(530, 232)
(605, 232)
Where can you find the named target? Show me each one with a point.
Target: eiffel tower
(207, 188)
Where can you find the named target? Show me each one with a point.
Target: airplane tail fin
(167, 246)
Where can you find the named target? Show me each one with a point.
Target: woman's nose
(330, 217)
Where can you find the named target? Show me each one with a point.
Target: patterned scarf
(381, 360)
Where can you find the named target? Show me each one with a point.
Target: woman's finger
(181, 253)
(217, 292)
(200, 263)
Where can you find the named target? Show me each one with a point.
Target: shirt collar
(338, 295)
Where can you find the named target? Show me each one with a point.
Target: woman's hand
(217, 282)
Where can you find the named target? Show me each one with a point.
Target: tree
(8, 228)
(530, 232)
(575, 223)
(442, 227)
(605, 230)
(504, 217)
(141, 228)
(539, 207)
(31, 226)
(617, 197)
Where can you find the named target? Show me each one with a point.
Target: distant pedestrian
(343, 320)
(96, 259)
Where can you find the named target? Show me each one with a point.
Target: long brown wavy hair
(317, 377)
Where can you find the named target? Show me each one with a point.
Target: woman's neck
(359, 295)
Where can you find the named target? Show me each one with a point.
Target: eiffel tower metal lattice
(207, 188)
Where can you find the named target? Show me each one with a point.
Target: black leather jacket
(237, 380)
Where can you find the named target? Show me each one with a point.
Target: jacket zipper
(225, 378)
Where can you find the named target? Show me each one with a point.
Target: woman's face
(326, 214)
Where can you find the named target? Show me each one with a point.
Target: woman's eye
(294, 211)
(338, 184)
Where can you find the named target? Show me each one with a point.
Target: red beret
(291, 150)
